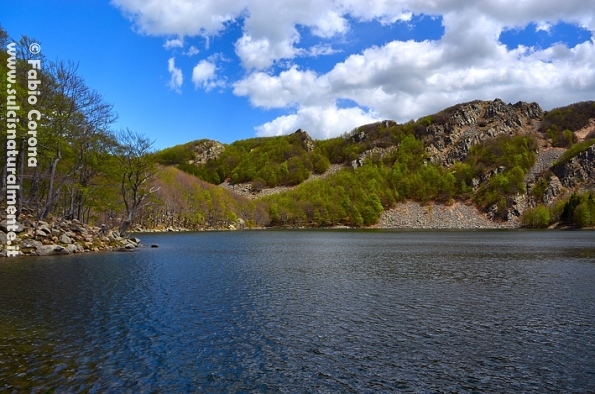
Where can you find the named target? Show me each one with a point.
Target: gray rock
(41, 233)
(207, 150)
(65, 239)
(77, 228)
(577, 169)
(48, 250)
(30, 243)
(4, 227)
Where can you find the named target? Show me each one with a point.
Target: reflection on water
(306, 311)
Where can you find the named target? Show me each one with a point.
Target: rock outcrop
(307, 142)
(455, 130)
(374, 152)
(577, 170)
(206, 150)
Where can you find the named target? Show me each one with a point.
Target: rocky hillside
(452, 132)
(502, 159)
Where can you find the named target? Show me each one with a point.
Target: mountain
(506, 161)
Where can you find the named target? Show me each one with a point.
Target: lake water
(306, 311)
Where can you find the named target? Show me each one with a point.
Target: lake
(306, 311)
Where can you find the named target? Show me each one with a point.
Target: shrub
(538, 217)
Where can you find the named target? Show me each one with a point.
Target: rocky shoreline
(59, 237)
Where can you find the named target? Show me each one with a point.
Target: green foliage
(176, 155)
(182, 200)
(353, 198)
(539, 188)
(572, 117)
(275, 160)
(538, 217)
(507, 158)
(357, 197)
(563, 138)
(505, 151)
(579, 210)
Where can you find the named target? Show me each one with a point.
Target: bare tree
(136, 168)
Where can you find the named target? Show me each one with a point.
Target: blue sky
(180, 70)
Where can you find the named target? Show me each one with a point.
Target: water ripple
(306, 311)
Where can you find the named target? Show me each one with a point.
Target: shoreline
(64, 237)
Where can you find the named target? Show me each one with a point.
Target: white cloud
(174, 43)
(181, 17)
(319, 122)
(543, 26)
(322, 50)
(397, 79)
(177, 78)
(192, 51)
(289, 88)
(262, 53)
(204, 76)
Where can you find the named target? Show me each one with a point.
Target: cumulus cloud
(399, 80)
(176, 77)
(204, 76)
(180, 17)
(319, 122)
(289, 88)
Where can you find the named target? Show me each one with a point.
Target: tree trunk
(51, 197)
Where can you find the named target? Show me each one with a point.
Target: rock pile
(412, 215)
(54, 237)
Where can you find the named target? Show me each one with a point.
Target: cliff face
(578, 170)
(457, 129)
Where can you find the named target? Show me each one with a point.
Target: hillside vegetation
(479, 152)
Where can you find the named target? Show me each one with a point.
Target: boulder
(4, 227)
(48, 250)
(30, 244)
(40, 233)
(77, 228)
(65, 239)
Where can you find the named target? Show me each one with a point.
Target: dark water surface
(306, 311)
